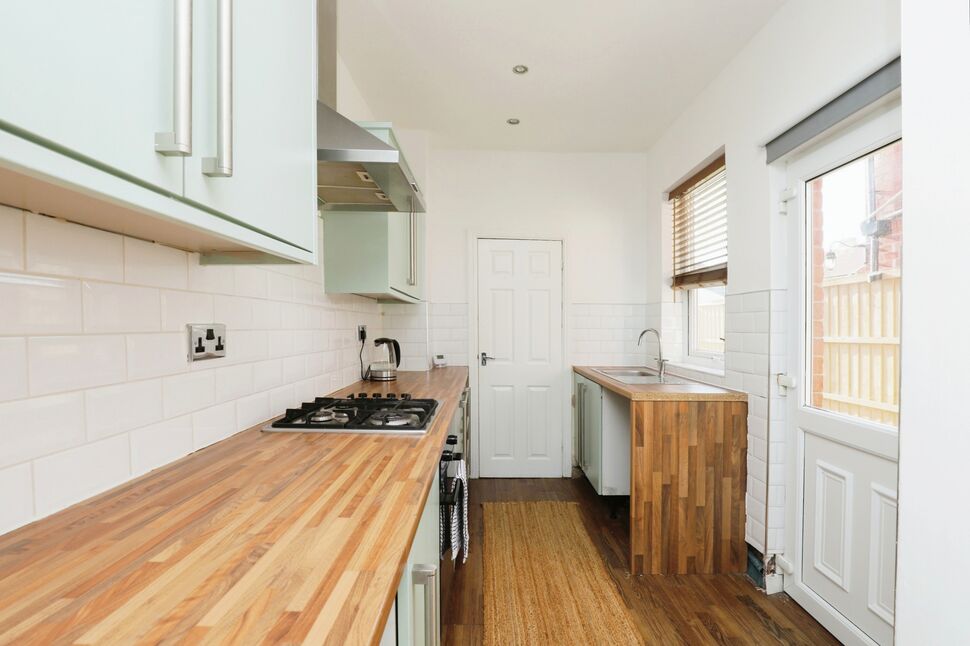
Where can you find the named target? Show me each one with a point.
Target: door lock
(485, 359)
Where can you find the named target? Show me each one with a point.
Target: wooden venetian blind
(700, 228)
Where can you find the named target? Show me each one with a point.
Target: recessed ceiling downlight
(512, 122)
(520, 69)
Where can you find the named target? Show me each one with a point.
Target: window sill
(707, 370)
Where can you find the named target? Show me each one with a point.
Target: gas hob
(360, 413)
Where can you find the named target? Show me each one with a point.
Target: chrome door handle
(427, 575)
(485, 359)
(178, 142)
(221, 164)
(412, 245)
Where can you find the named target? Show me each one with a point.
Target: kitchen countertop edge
(691, 391)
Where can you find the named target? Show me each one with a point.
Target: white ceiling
(605, 75)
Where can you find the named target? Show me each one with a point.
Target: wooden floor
(684, 609)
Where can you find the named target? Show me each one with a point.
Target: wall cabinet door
(406, 253)
(273, 118)
(94, 80)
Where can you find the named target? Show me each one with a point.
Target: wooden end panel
(688, 479)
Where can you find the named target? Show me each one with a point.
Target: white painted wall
(350, 101)
(595, 202)
(934, 527)
(808, 53)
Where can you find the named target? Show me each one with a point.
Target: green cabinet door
(589, 429)
(371, 254)
(413, 591)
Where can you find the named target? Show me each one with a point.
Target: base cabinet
(603, 432)
(418, 605)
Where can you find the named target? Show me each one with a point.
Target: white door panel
(520, 329)
(849, 556)
(93, 78)
(844, 348)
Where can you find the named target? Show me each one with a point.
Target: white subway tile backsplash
(116, 409)
(269, 374)
(59, 363)
(233, 311)
(182, 308)
(294, 369)
(99, 319)
(68, 477)
(252, 410)
(68, 249)
(156, 355)
(39, 426)
(756, 301)
(39, 305)
(120, 308)
(16, 496)
(147, 263)
(283, 397)
(13, 374)
(158, 444)
(233, 382)
(251, 281)
(213, 425)
(11, 238)
(188, 392)
(212, 279)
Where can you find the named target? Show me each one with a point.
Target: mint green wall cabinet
(379, 255)
(603, 432)
(108, 111)
(420, 581)
(92, 78)
(273, 120)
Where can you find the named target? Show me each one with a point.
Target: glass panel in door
(856, 219)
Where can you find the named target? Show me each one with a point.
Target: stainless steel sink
(638, 376)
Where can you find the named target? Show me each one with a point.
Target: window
(856, 218)
(699, 207)
(705, 323)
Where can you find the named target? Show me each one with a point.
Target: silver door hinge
(784, 198)
(785, 383)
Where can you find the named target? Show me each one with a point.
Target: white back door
(520, 358)
(845, 294)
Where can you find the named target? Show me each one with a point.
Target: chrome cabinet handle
(412, 245)
(427, 575)
(485, 359)
(178, 142)
(221, 164)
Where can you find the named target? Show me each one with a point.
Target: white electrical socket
(206, 341)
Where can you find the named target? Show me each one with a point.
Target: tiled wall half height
(96, 388)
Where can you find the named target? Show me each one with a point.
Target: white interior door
(520, 366)
(843, 414)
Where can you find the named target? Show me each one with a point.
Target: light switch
(206, 341)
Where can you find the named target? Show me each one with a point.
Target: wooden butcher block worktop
(262, 538)
(691, 391)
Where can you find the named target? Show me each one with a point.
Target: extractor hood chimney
(356, 170)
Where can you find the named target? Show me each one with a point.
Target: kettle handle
(397, 349)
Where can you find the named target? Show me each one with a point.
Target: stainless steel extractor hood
(361, 168)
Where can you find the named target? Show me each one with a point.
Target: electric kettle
(386, 370)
